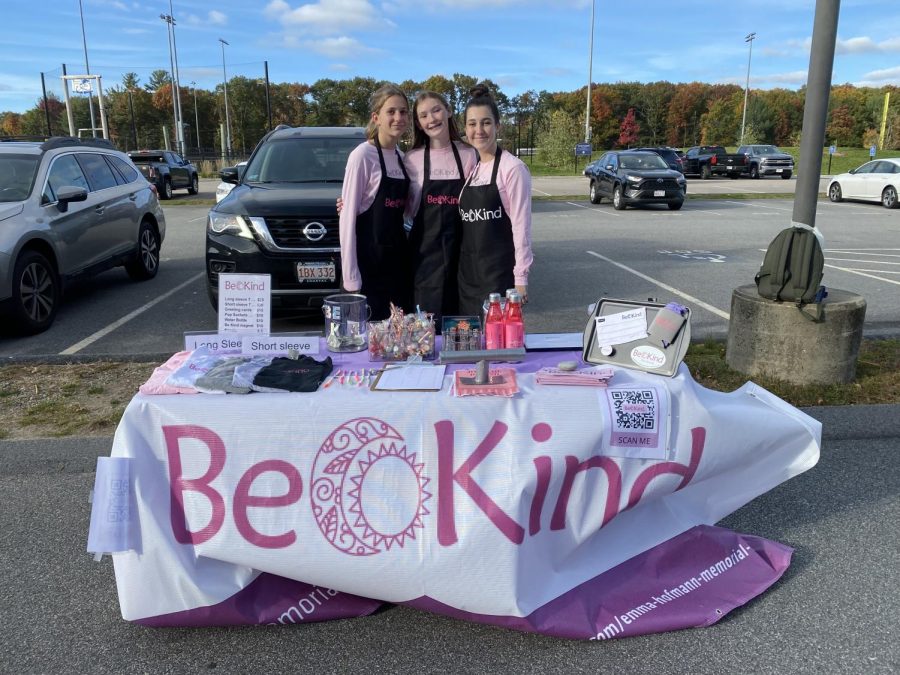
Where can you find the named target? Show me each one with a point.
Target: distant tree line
(622, 114)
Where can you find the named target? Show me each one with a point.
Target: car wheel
(705, 172)
(35, 293)
(834, 192)
(786, 175)
(889, 197)
(595, 194)
(195, 185)
(166, 191)
(754, 172)
(145, 263)
(674, 206)
(618, 199)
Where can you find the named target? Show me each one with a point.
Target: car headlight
(634, 179)
(681, 180)
(223, 223)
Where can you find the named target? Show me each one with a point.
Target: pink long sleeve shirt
(514, 185)
(361, 180)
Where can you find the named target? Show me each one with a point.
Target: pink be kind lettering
(449, 478)
(541, 432)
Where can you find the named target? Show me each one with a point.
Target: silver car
(68, 209)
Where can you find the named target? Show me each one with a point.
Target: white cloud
(339, 67)
(793, 77)
(217, 18)
(213, 17)
(883, 74)
(339, 47)
(327, 16)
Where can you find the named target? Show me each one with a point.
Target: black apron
(382, 252)
(487, 252)
(434, 242)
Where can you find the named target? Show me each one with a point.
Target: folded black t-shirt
(302, 374)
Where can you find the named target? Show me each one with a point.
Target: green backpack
(792, 270)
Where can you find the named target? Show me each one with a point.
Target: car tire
(165, 191)
(195, 185)
(595, 194)
(618, 198)
(786, 175)
(834, 192)
(705, 172)
(674, 206)
(754, 172)
(145, 263)
(35, 293)
(889, 197)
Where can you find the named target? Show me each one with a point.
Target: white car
(877, 181)
(223, 188)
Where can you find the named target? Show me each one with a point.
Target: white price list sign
(245, 303)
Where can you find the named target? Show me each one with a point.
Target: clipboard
(430, 378)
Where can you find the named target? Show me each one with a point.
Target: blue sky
(520, 44)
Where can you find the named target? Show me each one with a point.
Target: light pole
(196, 117)
(750, 38)
(87, 68)
(182, 146)
(587, 115)
(170, 22)
(227, 116)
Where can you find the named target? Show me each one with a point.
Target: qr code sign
(634, 409)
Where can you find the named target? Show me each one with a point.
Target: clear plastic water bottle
(493, 323)
(513, 322)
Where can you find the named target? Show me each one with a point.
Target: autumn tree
(629, 130)
(556, 145)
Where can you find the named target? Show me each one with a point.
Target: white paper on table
(112, 515)
(411, 378)
(622, 327)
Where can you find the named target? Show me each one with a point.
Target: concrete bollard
(772, 339)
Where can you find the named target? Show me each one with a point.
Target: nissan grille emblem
(314, 231)
(659, 180)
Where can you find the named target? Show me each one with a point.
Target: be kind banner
(480, 506)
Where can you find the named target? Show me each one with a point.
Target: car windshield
(647, 161)
(300, 160)
(17, 176)
(766, 149)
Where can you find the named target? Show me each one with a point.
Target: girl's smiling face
(393, 119)
(481, 128)
(431, 117)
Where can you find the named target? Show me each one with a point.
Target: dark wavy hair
(481, 94)
(420, 138)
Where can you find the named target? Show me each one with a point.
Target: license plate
(778, 170)
(659, 193)
(315, 271)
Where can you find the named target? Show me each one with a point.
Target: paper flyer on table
(622, 327)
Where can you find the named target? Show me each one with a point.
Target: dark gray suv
(68, 209)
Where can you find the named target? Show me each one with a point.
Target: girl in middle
(438, 164)
(374, 249)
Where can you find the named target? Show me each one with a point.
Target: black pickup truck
(713, 160)
(166, 170)
(767, 160)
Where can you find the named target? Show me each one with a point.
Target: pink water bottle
(513, 323)
(493, 323)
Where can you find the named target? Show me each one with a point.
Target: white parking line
(759, 206)
(588, 208)
(862, 251)
(194, 220)
(689, 298)
(879, 271)
(863, 274)
(856, 260)
(78, 346)
(546, 194)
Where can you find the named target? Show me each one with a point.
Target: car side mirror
(852, 171)
(610, 167)
(230, 174)
(67, 194)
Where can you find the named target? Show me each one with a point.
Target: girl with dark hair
(374, 250)
(495, 208)
(438, 164)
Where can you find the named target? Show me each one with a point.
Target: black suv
(632, 177)
(281, 217)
